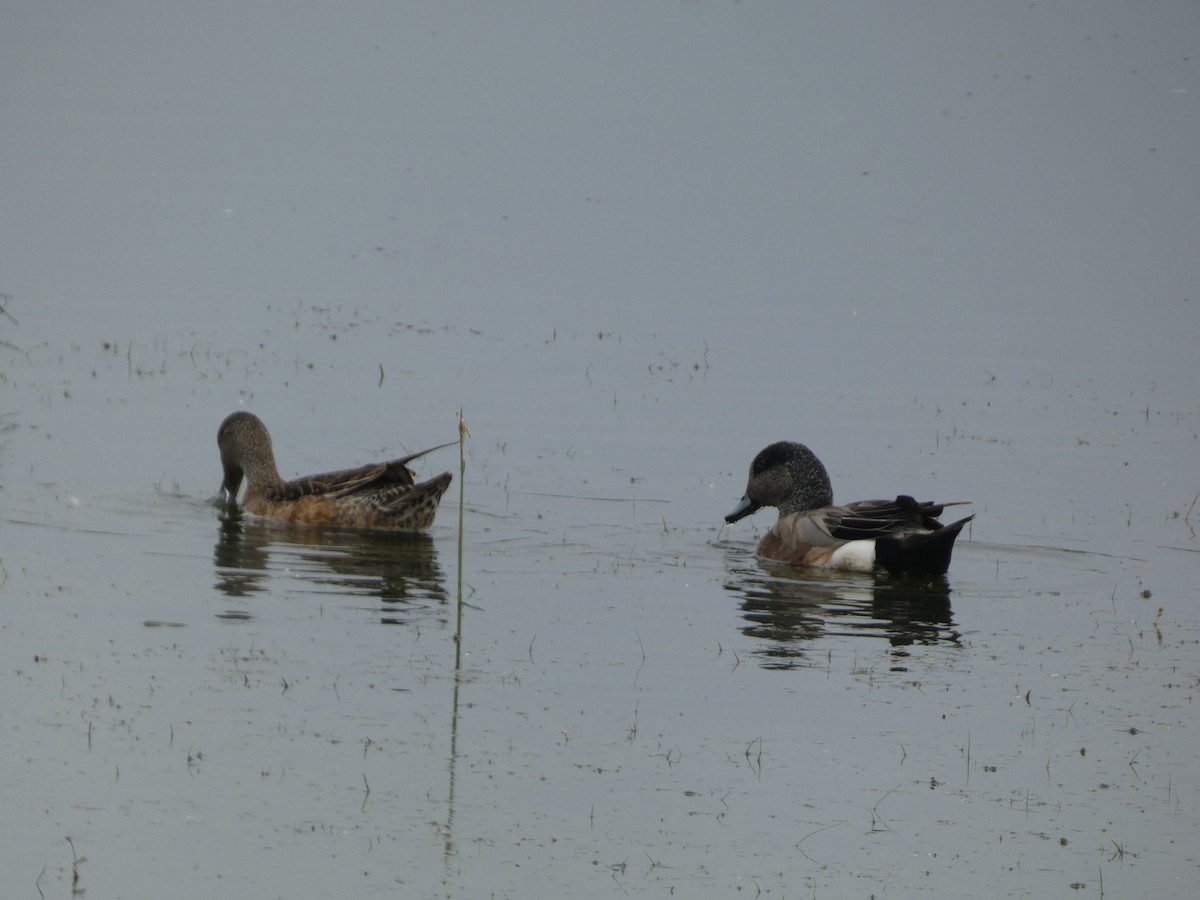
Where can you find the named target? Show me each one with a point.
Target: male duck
(383, 495)
(898, 535)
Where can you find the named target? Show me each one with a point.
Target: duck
(383, 495)
(901, 536)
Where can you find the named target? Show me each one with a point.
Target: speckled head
(786, 475)
(246, 451)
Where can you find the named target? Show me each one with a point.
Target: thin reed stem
(463, 434)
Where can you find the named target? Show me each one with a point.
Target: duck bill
(223, 497)
(230, 485)
(743, 509)
(227, 493)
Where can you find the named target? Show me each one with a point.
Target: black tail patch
(922, 553)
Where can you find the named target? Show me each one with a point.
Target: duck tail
(919, 553)
(405, 460)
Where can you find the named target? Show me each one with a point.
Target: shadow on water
(789, 609)
(401, 570)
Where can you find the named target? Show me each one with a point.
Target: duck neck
(261, 472)
(814, 496)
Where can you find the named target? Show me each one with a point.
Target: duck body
(898, 536)
(383, 495)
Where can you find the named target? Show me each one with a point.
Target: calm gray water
(950, 248)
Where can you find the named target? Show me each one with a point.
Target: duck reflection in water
(790, 609)
(399, 569)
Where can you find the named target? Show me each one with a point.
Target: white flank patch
(859, 556)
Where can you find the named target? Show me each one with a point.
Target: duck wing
(869, 519)
(392, 478)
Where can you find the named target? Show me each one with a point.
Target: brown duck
(383, 495)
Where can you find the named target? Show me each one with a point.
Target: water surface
(951, 250)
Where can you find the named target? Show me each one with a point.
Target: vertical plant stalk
(463, 434)
(448, 850)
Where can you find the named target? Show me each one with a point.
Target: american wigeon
(382, 495)
(898, 535)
